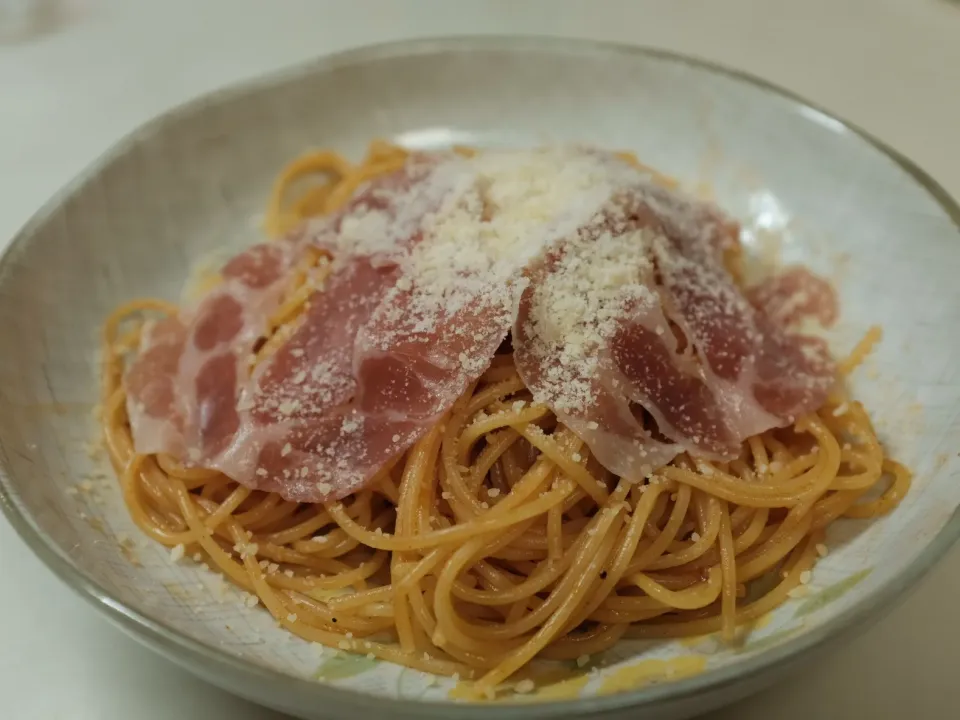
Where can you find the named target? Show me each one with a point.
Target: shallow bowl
(807, 187)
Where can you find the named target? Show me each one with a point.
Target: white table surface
(104, 66)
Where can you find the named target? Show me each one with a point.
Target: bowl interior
(806, 188)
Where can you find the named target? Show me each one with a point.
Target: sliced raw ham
(580, 298)
(762, 375)
(637, 336)
(155, 406)
(795, 295)
(181, 388)
(296, 415)
(308, 381)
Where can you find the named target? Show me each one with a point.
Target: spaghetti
(498, 537)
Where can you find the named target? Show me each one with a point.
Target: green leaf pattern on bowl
(832, 593)
(344, 665)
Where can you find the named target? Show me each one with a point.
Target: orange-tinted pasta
(498, 538)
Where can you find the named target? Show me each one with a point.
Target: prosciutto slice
(181, 387)
(635, 333)
(155, 404)
(300, 431)
(796, 295)
(187, 388)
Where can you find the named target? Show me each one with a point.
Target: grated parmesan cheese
(504, 210)
(525, 686)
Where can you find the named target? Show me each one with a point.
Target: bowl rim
(215, 665)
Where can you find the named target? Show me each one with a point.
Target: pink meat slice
(676, 359)
(300, 431)
(155, 406)
(794, 295)
(301, 395)
(380, 364)
(404, 379)
(182, 386)
(577, 322)
(763, 375)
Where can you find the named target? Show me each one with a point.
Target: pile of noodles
(498, 537)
